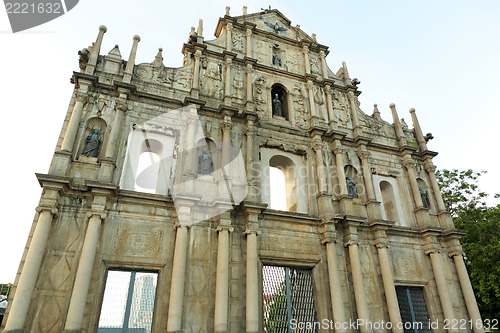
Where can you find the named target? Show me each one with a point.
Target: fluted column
(337, 298)
(340, 168)
(373, 206)
(249, 69)
(127, 75)
(84, 272)
(227, 84)
(442, 285)
(310, 94)
(226, 139)
(359, 286)
(307, 66)
(468, 292)
(120, 108)
(251, 177)
(389, 288)
(176, 301)
(229, 40)
(196, 74)
(74, 121)
(329, 105)
(422, 214)
(249, 42)
(320, 165)
(222, 278)
(354, 113)
(31, 269)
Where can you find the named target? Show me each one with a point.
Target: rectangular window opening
(413, 309)
(288, 297)
(128, 302)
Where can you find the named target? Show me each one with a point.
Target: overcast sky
(439, 57)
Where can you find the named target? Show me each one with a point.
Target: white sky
(440, 57)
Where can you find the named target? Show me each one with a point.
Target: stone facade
(393, 232)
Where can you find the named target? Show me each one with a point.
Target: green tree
(5, 288)
(466, 203)
(275, 313)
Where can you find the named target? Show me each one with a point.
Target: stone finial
(376, 113)
(158, 59)
(397, 125)
(127, 76)
(244, 10)
(200, 28)
(94, 52)
(313, 36)
(418, 131)
(103, 28)
(115, 52)
(227, 10)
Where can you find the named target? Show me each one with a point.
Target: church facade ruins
(159, 214)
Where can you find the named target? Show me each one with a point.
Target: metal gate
(288, 298)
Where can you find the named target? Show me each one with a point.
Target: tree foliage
(466, 202)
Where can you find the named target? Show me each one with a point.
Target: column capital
(429, 166)
(101, 215)
(249, 231)
(52, 210)
(382, 243)
(329, 237)
(431, 248)
(328, 89)
(81, 97)
(310, 84)
(224, 227)
(305, 48)
(408, 161)
(337, 147)
(322, 54)
(351, 242)
(121, 105)
(226, 126)
(363, 154)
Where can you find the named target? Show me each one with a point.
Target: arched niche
(425, 193)
(211, 148)
(93, 124)
(280, 93)
(351, 173)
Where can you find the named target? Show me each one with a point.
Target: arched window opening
(389, 201)
(278, 189)
(424, 193)
(355, 186)
(287, 167)
(148, 168)
(279, 101)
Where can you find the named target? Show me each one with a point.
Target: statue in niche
(92, 144)
(193, 36)
(352, 191)
(277, 108)
(204, 163)
(425, 198)
(276, 60)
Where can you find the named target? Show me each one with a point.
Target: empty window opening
(288, 296)
(128, 302)
(413, 309)
(279, 101)
(389, 201)
(148, 168)
(289, 188)
(278, 189)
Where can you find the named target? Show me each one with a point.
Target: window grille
(413, 309)
(128, 302)
(288, 298)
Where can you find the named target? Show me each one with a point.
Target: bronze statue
(277, 109)
(425, 198)
(92, 145)
(204, 163)
(352, 190)
(276, 60)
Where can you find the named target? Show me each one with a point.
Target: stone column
(354, 113)
(84, 272)
(388, 281)
(442, 285)
(307, 66)
(74, 121)
(252, 186)
(418, 131)
(226, 140)
(252, 285)
(357, 279)
(324, 67)
(31, 268)
(196, 74)
(176, 301)
(310, 95)
(249, 43)
(445, 219)
(397, 126)
(373, 206)
(113, 141)
(329, 105)
(470, 299)
(340, 168)
(227, 84)
(222, 279)
(337, 298)
(249, 69)
(229, 40)
(320, 165)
